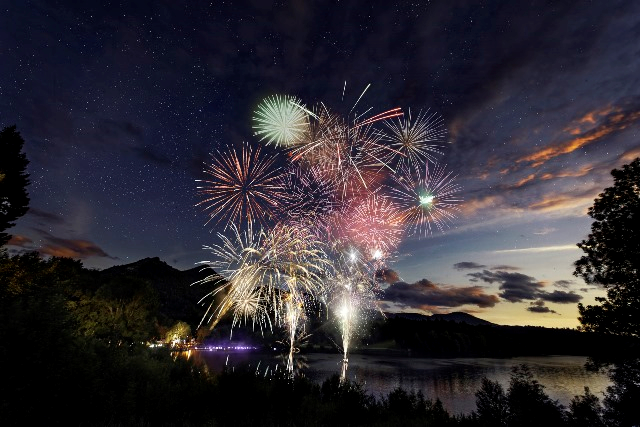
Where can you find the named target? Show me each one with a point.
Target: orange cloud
(563, 202)
(71, 248)
(524, 180)
(611, 121)
(631, 155)
(17, 240)
(584, 170)
(591, 118)
(472, 206)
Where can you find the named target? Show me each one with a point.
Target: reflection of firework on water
(280, 120)
(242, 187)
(375, 225)
(416, 142)
(426, 200)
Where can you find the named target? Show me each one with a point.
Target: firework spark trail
(293, 319)
(426, 199)
(242, 187)
(261, 267)
(354, 296)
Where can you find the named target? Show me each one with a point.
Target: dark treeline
(442, 338)
(170, 296)
(73, 352)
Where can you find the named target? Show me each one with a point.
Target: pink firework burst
(374, 224)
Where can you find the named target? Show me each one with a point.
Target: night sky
(121, 103)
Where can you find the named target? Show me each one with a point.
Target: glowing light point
(377, 254)
(344, 312)
(426, 200)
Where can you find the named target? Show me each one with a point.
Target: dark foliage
(621, 402)
(586, 411)
(492, 405)
(67, 359)
(14, 199)
(528, 403)
(611, 256)
(438, 338)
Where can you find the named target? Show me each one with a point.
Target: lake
(454, 381)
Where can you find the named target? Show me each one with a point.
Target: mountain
(457, 317)
(178, 291)
(460, 335)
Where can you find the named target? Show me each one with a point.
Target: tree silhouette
(613, 256)
(14, 199)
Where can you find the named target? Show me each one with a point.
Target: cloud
(524, 180)
(544, 231)
(560, 297)
(563, 283)
(70, 248)
(426, 295)
(538, 249)
(468, 265)
(516, 287)
(539, 307)
(591, 127)
(566, 201)
(20, 241)
(565, 173)
(73, 248)
(387, 275)
(505, 268)
(45, 217)
(471, 206)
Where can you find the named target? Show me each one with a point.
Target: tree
(585, 410)
(529, 405)
(491, 401)
(14, 199)
(613, 256)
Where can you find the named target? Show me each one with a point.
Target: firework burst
(308, 194)
(426, 200)
(280, 120)
(416, 141)
(375, 225)
(242, 187)
(331, 212)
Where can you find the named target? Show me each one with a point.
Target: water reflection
(454, 381)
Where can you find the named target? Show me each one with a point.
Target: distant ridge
(178, 298)
(457, 317)
(178, 291)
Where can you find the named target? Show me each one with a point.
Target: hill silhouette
(178, 291)
(454, 334)
(456, 317)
